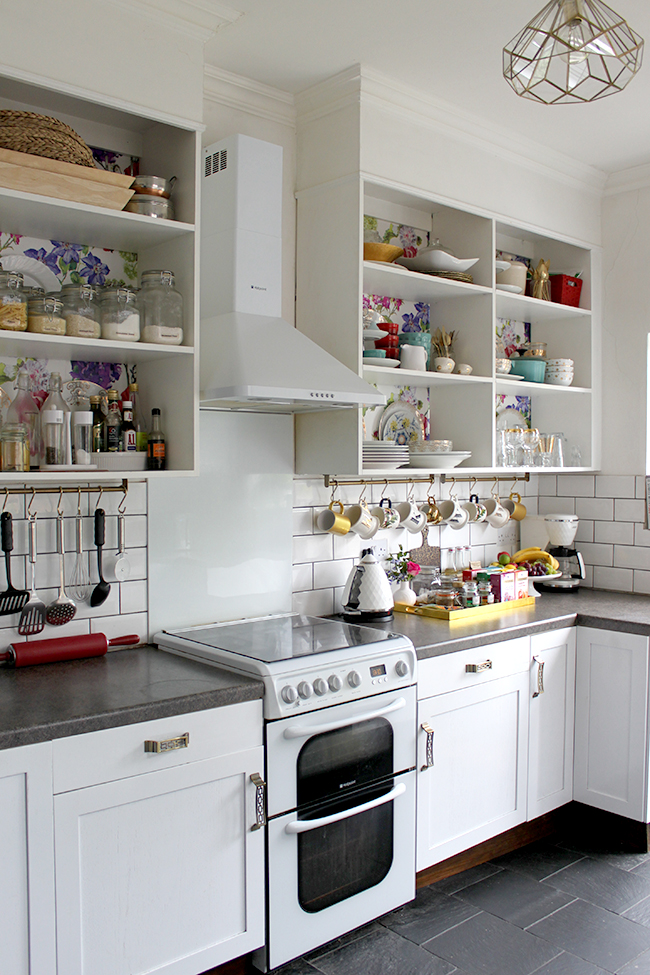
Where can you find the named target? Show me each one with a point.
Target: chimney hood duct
(251, 358)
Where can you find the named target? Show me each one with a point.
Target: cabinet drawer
(454, 671)
(117, 753)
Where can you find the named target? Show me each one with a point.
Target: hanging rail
(97, 488)
(330, 481)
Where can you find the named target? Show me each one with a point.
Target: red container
(566, 290)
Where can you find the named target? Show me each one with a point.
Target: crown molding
(358, 84)
(198, 19)
(246, 95)
(628, 180)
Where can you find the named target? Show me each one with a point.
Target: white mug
(410, 516)
(362, 522)
(413, 357)
(453, 514)
(497, 516)
(385, 514)
(476, 511)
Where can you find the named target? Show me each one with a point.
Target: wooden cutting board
(64, 181)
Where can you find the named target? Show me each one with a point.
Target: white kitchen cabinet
(167, 375)
(27, 932)
(472, 748)
(160, 870)
(550, 741)
(611, 722)
(330, 265)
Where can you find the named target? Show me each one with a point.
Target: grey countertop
(50, 701)
(40, 703)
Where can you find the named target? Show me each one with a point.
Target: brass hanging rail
(490, 477)
(330, 481)
(97, 488)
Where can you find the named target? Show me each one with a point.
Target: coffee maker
(561, 531)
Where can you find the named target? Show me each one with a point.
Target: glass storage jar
(81, 310)
(13, 302)
(14, 447)
(161, 305)
(52, 427)
(120, 316)
(45, 316)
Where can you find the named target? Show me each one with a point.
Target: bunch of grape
(536, 568)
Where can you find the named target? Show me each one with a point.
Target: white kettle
(367, 594)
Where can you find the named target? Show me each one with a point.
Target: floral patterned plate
(402, 423)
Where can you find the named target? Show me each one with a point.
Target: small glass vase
(404, 594)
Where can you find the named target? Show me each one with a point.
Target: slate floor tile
(640, 913)
(450, 885)
(429, 914)
(605, 939)
(539, 860)
(639, 966)
(344, 939)
(382, 952)
(487, 945)
(601, 884)
(514, 897)
(604, 851)
(297, 967)
(568, 964)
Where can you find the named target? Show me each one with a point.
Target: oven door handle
(306, 731)
(305, 825)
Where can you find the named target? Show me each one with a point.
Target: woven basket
(41, 135)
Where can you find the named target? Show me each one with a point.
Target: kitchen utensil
(63, 648)
(63, 609)
(367, 594)
(122, 567)
(80, 583)
(11, 600)
(102, 589)
(32, 617)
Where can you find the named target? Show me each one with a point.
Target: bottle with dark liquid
(129, 441)
(156, 460)
(113, 425)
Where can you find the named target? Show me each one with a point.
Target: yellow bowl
(381, 252)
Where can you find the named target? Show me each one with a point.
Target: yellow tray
(440, 613)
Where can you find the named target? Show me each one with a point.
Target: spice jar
(120, 317)
(14, 447)
(52, 428)
(45, 316)
(162, 308)
(83, 436)
(81, 310)
(13, 302)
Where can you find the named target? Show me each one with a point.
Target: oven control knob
(305, 689)
(401, 668)
(354, 679)
(320, 686)
(289, 694)
(334, 682)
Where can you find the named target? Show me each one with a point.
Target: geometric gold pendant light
(573, 51)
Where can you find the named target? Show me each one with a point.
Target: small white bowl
(443, 364)
(464, 369)
(559, 380)
(503, 365)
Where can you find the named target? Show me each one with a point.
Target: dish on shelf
(509, 375)
(513, 289)
(383, 465)
(35, 273)
(434, 259)
(384, 253)
(371, 360)
(373, 333)
(449, 458)
(501, 266)
(122, 460)
(402, 423)
(508, 419)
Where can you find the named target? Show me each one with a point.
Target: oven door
(315, 755)
(333, 868)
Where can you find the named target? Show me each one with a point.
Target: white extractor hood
(251, 358)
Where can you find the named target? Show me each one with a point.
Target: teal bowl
(532, 369)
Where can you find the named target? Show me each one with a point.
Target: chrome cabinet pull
(168, 745)
(430, 733)
(478, 668)
(260, 804)
(540, 676)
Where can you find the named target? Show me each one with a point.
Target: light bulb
(576, 41)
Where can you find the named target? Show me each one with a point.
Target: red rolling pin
(29, 652)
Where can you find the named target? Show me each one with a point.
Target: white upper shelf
(521, 308)
(382, 278)
(22, 344)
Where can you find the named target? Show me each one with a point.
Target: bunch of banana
(535, 554)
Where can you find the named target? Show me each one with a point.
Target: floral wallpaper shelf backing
(410, 316)
(383, 231)
(49, 264)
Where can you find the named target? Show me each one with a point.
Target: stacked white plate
(420, 455)
(378, 454)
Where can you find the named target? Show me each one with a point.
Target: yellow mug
(514, 507)
(332, 521)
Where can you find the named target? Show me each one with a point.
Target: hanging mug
(430, 509)
(332, 521)
(477, 512)
(362, 521)
(386, 514)
(497, 515)
(411, 517)
(514, 507)
(453, 513)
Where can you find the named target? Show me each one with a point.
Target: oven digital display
(378, 671)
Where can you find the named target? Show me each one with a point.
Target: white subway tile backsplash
(618, 532)
(641, 581)
(310, 491)
(303, 576)
(628, 510)
(640, 486)
(631, 557)
(609, 578)
(615, 486)
(551, 505)
(312, 548)
(585, 532)
(575, 485)
(588, 580)
(304, 522)
(133, 596)
(113, 626)
(349, 546)
(600, 509)
(597, 554)
(641, 535)
(547, 485)
(332, 574)
(318, 602)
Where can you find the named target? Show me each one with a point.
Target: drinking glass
(529, 445)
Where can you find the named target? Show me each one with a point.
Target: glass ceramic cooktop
(283, 637)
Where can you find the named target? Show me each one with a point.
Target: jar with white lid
(120, 316)
(45, 316)
(13, 302)
(161, 305)
(81, 310)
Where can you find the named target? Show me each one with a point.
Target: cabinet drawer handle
(540, 676)
(260, 804)
(168, 745)
(478, 668)
(429, 733)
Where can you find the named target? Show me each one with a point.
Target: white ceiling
(449, 50)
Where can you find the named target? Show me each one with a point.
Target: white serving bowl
(552, 363)
(559, 380)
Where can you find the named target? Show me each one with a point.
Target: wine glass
(529, 445)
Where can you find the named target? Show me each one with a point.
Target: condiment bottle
(55, 401)
(140, 428)
(129, 441)
(52, 427)
(156, 459)
(13, 302)
(83, 436)
(98, 423)
(162, 308)
(113, 422)
(24, 409)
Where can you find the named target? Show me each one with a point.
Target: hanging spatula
(11, 600)
(32, 617)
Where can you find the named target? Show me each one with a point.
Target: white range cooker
(340, 733)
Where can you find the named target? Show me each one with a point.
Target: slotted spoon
(32, 618)
(63, 608)
(11, 600)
